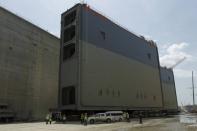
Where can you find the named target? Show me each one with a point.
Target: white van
(115, 115)
(106, 117)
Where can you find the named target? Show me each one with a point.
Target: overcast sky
(171, 23)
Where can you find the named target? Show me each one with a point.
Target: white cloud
(173, 54)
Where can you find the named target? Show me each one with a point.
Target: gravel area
(156, 124)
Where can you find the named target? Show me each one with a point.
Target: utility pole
(193, 87)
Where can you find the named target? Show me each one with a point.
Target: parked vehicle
(99, 117)
(108, 117)
(116, 115)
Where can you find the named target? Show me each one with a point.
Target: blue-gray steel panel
(103, 33)
(166, 75)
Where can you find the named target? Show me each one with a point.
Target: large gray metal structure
(104, 66)
(29, 65)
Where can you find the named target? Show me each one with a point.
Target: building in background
(29, 64)
(169, 91)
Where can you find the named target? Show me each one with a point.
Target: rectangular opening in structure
(69, 33)
(68, 19)
(68, 51)
(68, 95)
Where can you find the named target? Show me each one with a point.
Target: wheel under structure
(92, 121)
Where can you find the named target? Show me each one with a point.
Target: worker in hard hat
(127, 117)
(64, 118)
(140, 118)
(85, 119)
(50, 118)
(47, 118)
(82, 118)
